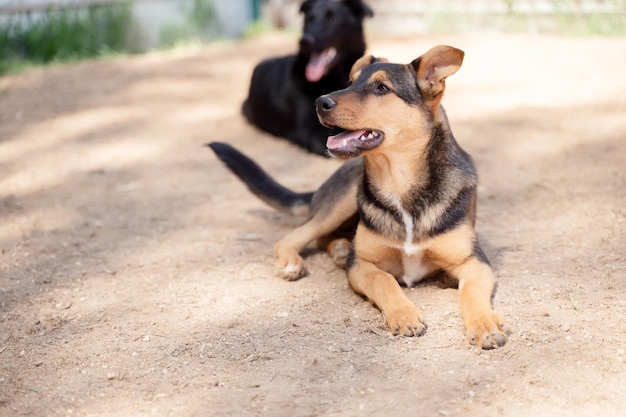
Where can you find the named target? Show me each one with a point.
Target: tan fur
(444, 61)
(287, 250)
(399, 151)
(361, 63)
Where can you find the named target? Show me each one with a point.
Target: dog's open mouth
(353, 142)
(319, 63)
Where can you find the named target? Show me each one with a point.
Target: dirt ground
(136, 273)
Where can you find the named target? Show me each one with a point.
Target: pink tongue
(317, 66)
(337, 141)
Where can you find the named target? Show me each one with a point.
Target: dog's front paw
(406, 320)
(291, 268)
(487, 331)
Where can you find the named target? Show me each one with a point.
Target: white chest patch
(409, 246)
(414, 265)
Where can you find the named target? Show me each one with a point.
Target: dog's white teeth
(370, 136)
(332, 53)
(345, 142)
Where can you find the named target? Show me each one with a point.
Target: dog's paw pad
(491, 341)
(411, 330)
(290, 266)
(292, 272)
(406, 321)
(488, 332)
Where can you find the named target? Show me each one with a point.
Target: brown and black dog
(408, 193)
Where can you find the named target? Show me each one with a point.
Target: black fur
(451, 181)
(403, 82)
(258, 181)
(455, 213)
(283, 199)
(375, 213)
(281, 99)
(478, 253)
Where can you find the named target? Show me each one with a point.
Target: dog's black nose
(307, 41)
(324, 104)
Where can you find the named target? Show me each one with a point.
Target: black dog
(283, 90)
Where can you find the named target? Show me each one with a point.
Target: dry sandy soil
(137, 273)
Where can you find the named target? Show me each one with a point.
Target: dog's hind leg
(287, 250)
(338, 244)
(333, 215)
(289, 263)
(332, 212)
(339, 250)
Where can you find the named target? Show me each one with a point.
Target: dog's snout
(307, 41)
(325, 104)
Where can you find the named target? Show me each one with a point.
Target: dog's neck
(398, 172)
(395, 172)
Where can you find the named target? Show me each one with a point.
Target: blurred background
(136, 274)
(40, 31)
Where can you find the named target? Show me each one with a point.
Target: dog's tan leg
(367, 278)
(287, 251)
(454, 252)
(336, 205)
(382, 289)
(483, 326)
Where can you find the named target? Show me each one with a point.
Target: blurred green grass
(64, 35)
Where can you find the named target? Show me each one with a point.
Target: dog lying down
(283, 90)
(402, 208)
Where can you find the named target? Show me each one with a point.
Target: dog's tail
(260, 183)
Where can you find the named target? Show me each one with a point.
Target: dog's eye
(329, 17)
(382, 88)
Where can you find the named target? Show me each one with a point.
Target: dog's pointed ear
(434, 67)
(306, 6)
(363, 62)
(359, 9)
